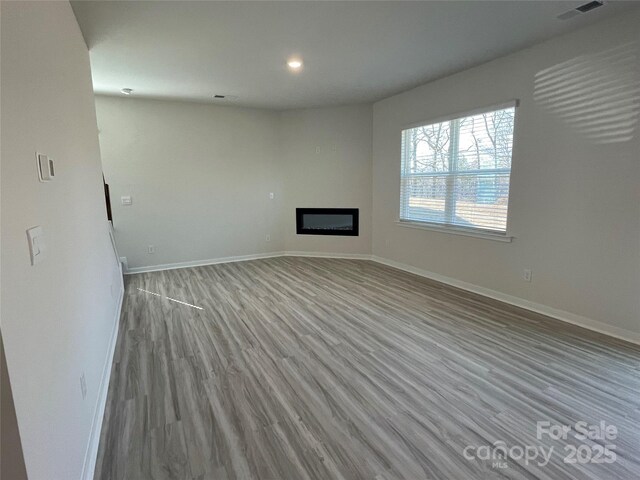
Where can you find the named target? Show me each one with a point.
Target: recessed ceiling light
(127, 91)
(294, 63)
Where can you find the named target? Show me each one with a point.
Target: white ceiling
(352, 51)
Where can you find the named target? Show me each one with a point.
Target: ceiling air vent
(587, 7)
(226, 98)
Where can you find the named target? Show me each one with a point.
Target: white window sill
(455, 231)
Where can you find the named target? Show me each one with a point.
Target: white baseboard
(244, 258)
(91, 455)
(202, 263)
(568, 317)
(351, 256)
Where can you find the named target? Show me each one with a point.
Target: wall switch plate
(45, 168)
(526, 276)
(37, 247)
(272, 195)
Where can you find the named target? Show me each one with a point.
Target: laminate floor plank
(319, 369)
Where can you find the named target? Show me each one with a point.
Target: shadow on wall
(597, 94)
(12, 466)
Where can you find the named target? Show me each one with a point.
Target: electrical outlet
(151, 249)
(83, 386)
(526, 276)
(267, 238)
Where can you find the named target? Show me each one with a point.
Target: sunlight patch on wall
(597, 94)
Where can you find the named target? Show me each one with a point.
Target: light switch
(37, 246)
(126, 201)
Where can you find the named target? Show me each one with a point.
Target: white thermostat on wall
(126, 200)
(45, 168)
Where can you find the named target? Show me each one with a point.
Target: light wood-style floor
(301, 369)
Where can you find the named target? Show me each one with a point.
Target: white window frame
(454, 229)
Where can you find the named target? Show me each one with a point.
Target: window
(456, 173)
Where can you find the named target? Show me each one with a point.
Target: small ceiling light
(127, 91)
(294, 63)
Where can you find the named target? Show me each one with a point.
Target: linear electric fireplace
(327, 221)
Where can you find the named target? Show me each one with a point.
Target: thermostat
(45, 168)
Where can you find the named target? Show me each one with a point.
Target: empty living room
(320, 240)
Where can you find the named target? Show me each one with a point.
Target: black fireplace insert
(327, 221)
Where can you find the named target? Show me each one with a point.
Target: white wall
(58, 316)
(327, 163)
(575, 203)
(200, 177)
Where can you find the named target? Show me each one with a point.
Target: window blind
(456, 173)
